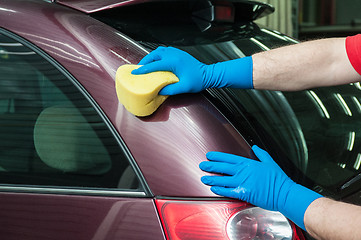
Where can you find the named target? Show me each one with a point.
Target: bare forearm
(303, 66)
(333, 220)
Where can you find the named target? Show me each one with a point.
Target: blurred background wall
(285, 17)
(311, 19)
(329, 18)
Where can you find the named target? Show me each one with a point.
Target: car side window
(50, 134)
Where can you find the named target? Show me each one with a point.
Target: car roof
(168, 145)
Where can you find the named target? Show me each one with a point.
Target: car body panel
(91, 52)
(166, 147)
(95, 53)
(258, 10)
(177, 168)
(97, 5)
(46, 216)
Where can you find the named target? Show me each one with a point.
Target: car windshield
(312, 134)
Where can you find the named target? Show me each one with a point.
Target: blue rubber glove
(195, 76)
(261, 183)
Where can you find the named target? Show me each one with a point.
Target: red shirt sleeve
(353, 49)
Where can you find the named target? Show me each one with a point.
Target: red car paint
(98, 5)
(92, 52)
(167, 146)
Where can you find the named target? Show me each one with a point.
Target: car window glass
(316, 130)
(270, 108)
(50, 134)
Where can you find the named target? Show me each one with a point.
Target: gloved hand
(195, 76)
(261, 183)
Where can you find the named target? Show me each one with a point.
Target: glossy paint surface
(168, 145)
(97, 5)
(32, 216)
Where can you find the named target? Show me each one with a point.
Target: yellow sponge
(139, 93)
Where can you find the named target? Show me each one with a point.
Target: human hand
(193, 75)
(262, 183)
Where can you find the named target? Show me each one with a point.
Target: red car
(74, 164)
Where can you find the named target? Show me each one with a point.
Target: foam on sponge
(139, 93)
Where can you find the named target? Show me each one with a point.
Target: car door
(64, 172)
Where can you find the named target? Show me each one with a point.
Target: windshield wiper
(352, 181)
